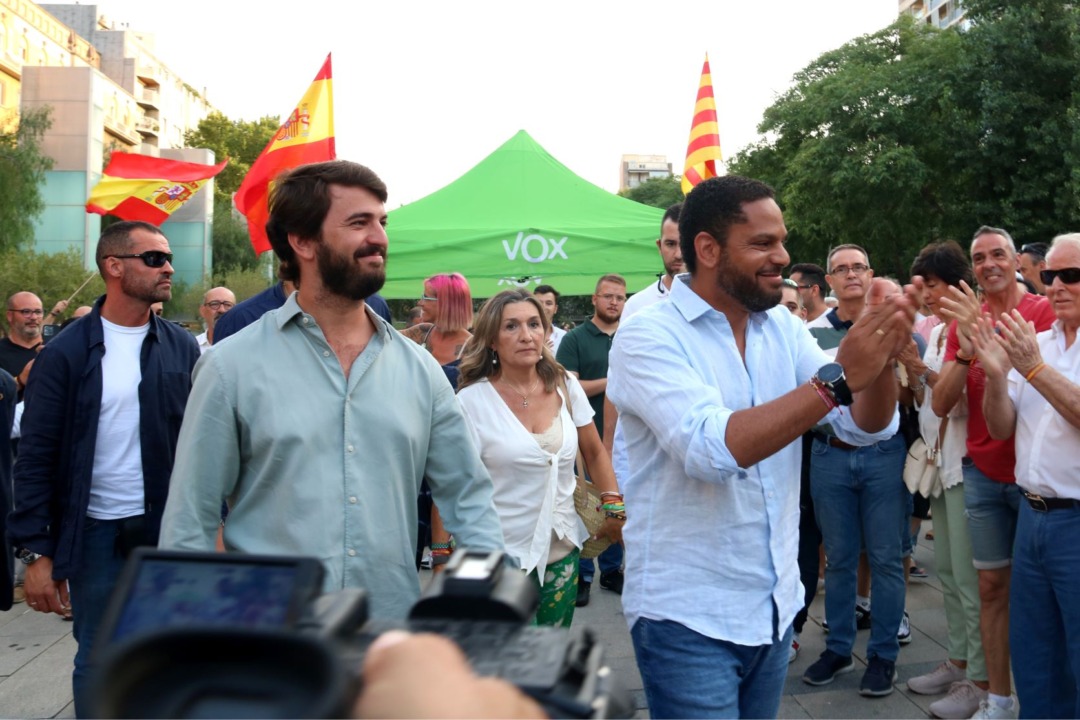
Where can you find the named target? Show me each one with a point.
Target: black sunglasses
(1069, 276)
(152, 258)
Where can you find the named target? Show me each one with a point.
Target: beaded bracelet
(440, 546)
(610, 493)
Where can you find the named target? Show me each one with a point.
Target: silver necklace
(524, 396)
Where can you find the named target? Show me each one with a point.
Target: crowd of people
(723, 406)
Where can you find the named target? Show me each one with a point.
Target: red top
(996, 459)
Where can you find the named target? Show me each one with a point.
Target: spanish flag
(140, 187)
(306, 136)
(703, 152)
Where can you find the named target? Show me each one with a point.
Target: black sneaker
(582, 594)
(862, 618)
(879, 677)
(612, 581)
(827, 667)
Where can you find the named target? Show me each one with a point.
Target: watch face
(830, 373)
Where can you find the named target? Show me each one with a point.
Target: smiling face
(520, 338)
(351, 253)
(849, 274)
(753, 257)
(993, 258)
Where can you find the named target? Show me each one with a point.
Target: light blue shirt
(711, 545)
(315, 464)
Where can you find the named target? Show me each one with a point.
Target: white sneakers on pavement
(963, 700)
(990, 709)
(938, 680)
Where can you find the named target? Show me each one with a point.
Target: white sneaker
(962, 701)
(990, 709)
(903, 635)
(937, 680)
(794, 652)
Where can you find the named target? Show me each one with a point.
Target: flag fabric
(306, 136)
(703, 151)
(141, 187)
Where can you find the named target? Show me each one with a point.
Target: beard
(745, 290)
(674, 268)
(145, 289)
(607, 317)
(341, 276)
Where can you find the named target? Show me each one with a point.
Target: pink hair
(455, 311)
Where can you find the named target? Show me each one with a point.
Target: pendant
(524, 403)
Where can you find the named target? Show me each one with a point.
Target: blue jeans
(1044, 613)
(689, 675)
(860, 500)
(90, 589)
(610, 560)
(991, 507)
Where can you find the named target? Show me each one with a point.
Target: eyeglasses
(609, 297)
(218, 304)
(427, 298)
(151, 258)
(1069, 276)
(28, 312)
(843, 270)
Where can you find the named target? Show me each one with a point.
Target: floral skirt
(558, 594)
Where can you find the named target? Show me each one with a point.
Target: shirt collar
(692, 306)
(291, 309)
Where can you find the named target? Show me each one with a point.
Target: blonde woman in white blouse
(528, 417)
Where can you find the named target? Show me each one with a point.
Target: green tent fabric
(521, 218)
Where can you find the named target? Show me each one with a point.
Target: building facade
(636, 169)
(938, 13)
(107, 92)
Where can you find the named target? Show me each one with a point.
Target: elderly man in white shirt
(714, 389)
(1039, 400)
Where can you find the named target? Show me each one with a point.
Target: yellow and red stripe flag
(140, 187)
(703, 156)
(306, 136)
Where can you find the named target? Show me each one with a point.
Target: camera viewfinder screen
(170, 593)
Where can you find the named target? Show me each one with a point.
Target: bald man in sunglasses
(104, 403)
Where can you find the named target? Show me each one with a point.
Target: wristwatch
(26, 555)
(831, 375)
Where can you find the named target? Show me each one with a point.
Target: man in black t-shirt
(25, 317)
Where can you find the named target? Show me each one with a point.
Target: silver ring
(879, 331)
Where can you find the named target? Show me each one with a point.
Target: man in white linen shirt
(714, 388)
(1039, 399)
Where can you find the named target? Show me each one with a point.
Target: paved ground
(36, 653)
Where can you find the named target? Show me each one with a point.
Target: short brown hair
(611, 278)
(300, 201)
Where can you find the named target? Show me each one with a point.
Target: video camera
(236, 636)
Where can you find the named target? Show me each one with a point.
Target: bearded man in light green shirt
(318, 422)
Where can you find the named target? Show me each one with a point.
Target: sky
(423, 90)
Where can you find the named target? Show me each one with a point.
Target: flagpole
(79, 290)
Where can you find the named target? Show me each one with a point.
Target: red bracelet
(824, 394)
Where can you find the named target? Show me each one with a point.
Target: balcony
(149, 75)
(148, 126)
(148, 97)
(121, 131)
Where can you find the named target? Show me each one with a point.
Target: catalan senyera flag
(306, 136)
(703, 151)
(140, 187)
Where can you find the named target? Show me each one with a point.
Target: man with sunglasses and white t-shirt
(104, 403)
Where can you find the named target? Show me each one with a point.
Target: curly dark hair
(946, 261)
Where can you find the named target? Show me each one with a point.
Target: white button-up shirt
(1046, 443)
(711, 545)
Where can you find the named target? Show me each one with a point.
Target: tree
(660, 192)
(912, 134)
(22, 171)
(50, 277)
(241, 141)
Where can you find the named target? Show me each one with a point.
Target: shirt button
(352, 553)
(549, 461)
(307, 321)
(326, 353)
(352, 500)
(350, 448)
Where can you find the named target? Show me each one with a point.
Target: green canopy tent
(520, 218)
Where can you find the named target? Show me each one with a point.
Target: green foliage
(22, 171)
(241, 141)
(50, 277)
(657, 192)
(244, 283)
(912, 134)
